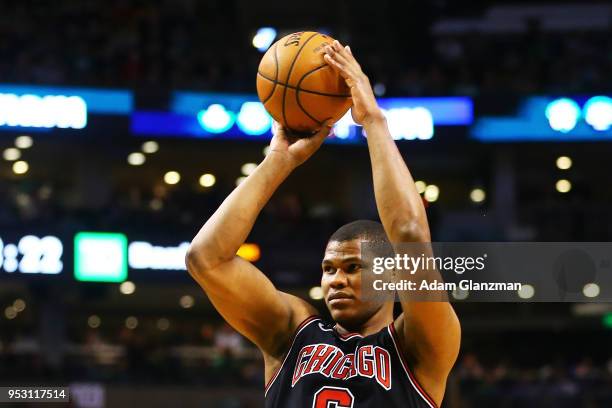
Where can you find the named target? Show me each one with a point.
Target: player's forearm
(221, 236)
(399, 204)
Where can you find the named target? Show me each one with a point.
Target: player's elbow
(411, 231)
(197, 261)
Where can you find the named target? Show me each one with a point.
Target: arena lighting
(607, 320)
(248, 168)
(563, 162)
(460, 294)
(94, 321)
(136, 159)
(432, 192)
(19, 305)
(379, 89)
(216, 119)
(186, 302)
(207, 180)
(250, 252)
(239, 180)
(100, 257)
(253, 119)
(342, 128)
(150, 147)
(562, 114)
(163, 324)
(404, 124)
(526, 291)
(563, 186)
(591, 290)
(23, 142)
(20, 167)
(131, 322)
(266, 150)
(477, 195)
(50, 111)
(410, 123)
(10, 313)
(11, 154)
(172, 177)
(316, 293)
(264, 38)
(598, 112)
(99, 101)
(547, 119)
(156, 204)
(127, 288)
(420, 186)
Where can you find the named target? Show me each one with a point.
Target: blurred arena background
(136, 118)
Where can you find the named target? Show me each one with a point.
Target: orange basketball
(297, 87)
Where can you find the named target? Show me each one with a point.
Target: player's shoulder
(300, 310)
(301, 313)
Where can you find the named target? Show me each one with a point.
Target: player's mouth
(339, 298)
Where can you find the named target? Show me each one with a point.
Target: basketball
(297, 87)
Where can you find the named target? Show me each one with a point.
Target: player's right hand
(365, 108)
(296, 150)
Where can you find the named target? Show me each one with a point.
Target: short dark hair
(365, 230)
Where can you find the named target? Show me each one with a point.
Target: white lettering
(143, 255)
(43, 112)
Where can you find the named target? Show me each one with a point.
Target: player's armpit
(251, 304)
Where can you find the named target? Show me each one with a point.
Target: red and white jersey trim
(301, 327)
(411, 377)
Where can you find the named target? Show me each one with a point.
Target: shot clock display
(30, 254)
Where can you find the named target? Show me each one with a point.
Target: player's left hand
(365, 109)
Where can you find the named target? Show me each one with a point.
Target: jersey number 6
(333, 397)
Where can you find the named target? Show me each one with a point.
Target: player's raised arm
(243, 295)
(430, 330)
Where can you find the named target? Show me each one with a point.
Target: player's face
(341, 284)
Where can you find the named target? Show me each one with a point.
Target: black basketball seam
(297, 93)
(302, 89)
(275, 82)
(289, 76)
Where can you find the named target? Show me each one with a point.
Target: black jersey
(324, 369)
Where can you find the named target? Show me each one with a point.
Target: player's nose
(339, 279)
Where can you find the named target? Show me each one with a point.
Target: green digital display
(607, 320)
(100, 257)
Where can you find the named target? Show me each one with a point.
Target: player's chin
(343, 313)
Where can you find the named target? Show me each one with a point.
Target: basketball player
(363, 358)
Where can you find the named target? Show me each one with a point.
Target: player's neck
(379, 320)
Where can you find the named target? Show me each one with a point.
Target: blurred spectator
(227, 340)
(134, 44)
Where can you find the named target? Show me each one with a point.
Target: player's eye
(328, 269)
(354, 267)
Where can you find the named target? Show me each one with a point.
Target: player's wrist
(374, 118)
(281, 161)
